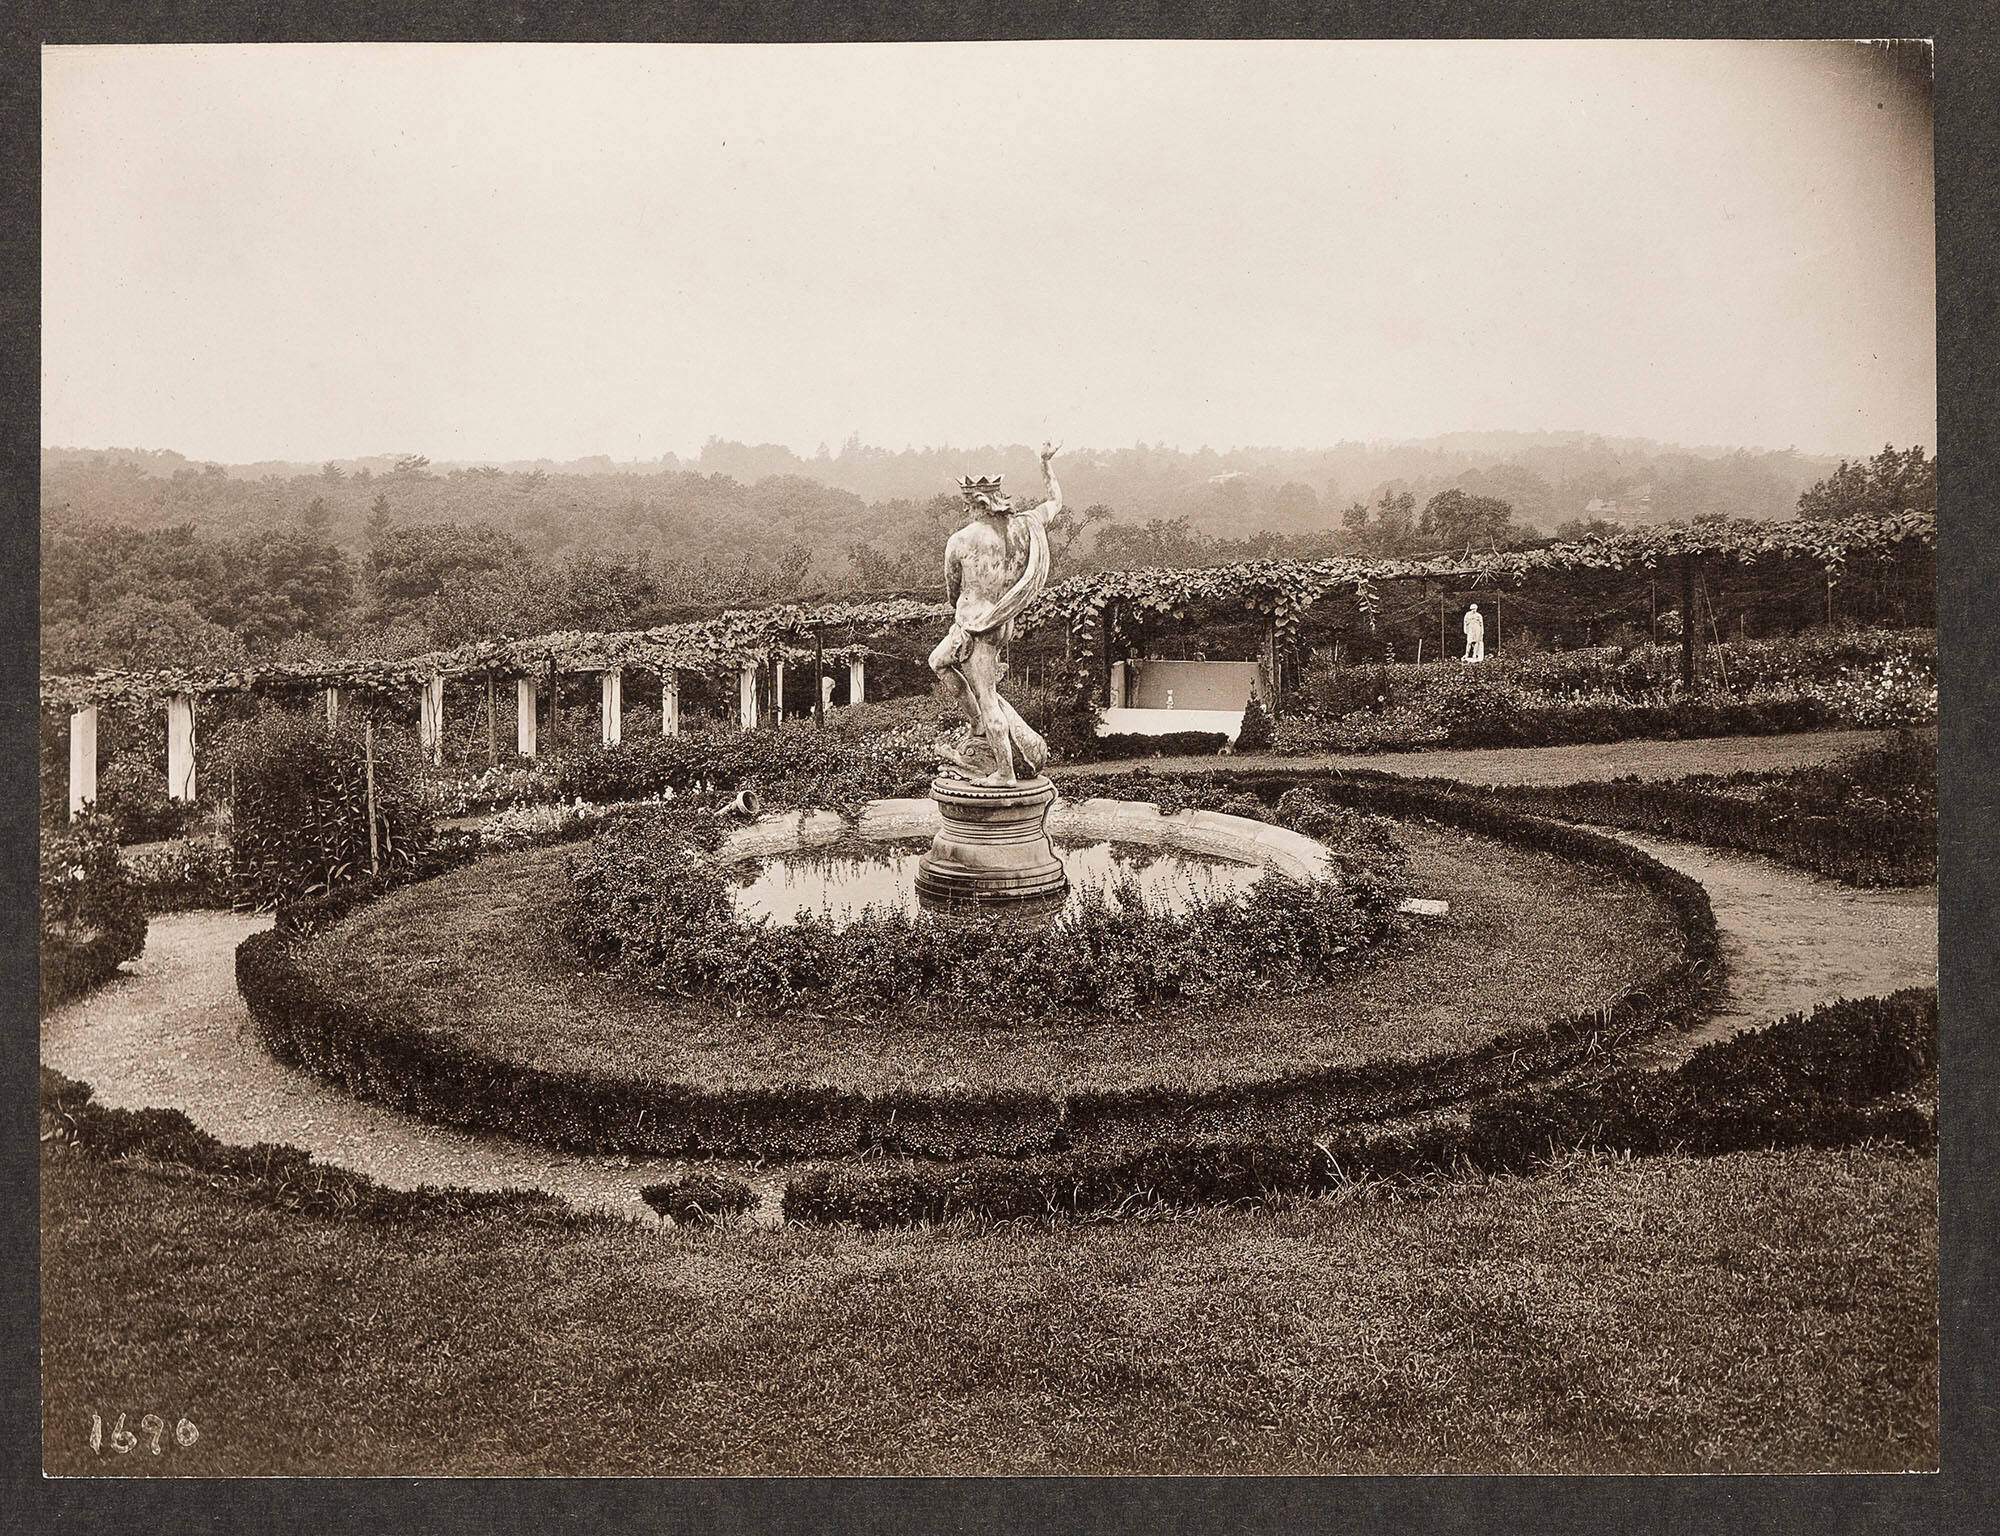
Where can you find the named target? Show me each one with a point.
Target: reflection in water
(843, 881)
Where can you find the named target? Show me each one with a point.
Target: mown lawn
(1757, 1312)
(1531, 937)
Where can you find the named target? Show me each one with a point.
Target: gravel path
(175, 1034)
(1553, 765)
(1793, 940)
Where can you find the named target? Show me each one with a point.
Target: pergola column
(746, 696)
(856, 680)
(332, 708)
(180, 747)
(524, 716)
(430, 720)
(614, 707)
(670, 703)
(82, 760)
(778, 690)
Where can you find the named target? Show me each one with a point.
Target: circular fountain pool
(845, 880)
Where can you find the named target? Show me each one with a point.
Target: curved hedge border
(1846, 1072)
(1866, 820)
(397, 1062)
(273, 1175)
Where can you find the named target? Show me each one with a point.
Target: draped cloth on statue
(980, 618)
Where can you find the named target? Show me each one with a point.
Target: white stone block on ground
(1424, 906)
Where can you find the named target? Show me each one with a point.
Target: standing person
(1475, 635)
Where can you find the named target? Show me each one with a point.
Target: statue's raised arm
(1051, 507)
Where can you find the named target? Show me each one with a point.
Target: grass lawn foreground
(1769, 1311)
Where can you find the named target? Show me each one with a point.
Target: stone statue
(1475, 635)
(825, 692)
(992, 842)
(994, 567)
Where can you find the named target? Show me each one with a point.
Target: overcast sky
(508, 252)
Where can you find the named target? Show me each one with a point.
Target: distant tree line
(196, 566)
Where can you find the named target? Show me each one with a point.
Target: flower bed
(805, 763)
(1867, 678)
(651, 904)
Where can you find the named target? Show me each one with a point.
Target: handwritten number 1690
(152, 1426)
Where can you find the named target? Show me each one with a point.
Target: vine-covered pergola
(1098, 612)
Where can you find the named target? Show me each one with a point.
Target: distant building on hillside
(1629, 509)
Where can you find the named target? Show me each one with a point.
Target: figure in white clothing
(1475, 635)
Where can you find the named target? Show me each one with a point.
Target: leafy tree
(1296, 507)
(1453, 520)
(409, 568)
(287, 582)
(1395, 523)
(1889, 482)
(380, 523)
(140, 631)
(1577, 529)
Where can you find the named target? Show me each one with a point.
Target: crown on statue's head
(972, 484)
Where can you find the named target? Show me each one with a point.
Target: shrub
(300, 824)
(133, 793)
(185, 876)
(1065, 709)
(1126, 744)
(646, 901)
(1255, 733)
(699, 1196)
(92, 918)
(796, 764)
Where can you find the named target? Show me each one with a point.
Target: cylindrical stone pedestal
(994, 845)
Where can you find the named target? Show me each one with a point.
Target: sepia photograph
(1012, 759)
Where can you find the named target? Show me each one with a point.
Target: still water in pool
(841, 881)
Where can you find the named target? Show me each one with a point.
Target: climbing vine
(1126, 600)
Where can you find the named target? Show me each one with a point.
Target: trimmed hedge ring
(392, 1061)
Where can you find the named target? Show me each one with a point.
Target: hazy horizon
(1071, 451)
(501, 254)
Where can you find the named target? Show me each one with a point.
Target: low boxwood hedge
(1867, 820)
(279, 1177)
(402, 1062)
(699, 1195)
(1845, 1072)
(1117, 745)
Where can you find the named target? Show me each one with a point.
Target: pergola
(1096, 610)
